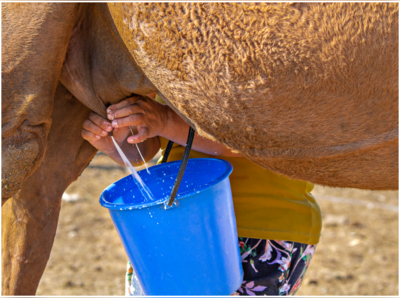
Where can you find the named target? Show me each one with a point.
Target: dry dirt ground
(357, 254)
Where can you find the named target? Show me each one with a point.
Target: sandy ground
(357, 254)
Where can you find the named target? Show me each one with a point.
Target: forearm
(177, 130)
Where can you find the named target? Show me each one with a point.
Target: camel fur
(29, 218)
(308, 90)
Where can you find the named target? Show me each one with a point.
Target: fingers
(104, 124)
(89, 136)
(125, 111)
(131, 120)
(126, 102)
(140, 137)
(95, 127)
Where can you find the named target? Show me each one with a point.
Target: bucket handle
(167, 151)
(182, 167)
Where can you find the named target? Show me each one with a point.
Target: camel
(306, 90)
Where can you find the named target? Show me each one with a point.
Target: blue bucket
(190, 248)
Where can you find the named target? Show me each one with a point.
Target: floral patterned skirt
(271, 267)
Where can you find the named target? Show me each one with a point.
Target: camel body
(307, 90)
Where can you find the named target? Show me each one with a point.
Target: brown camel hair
(29, 218)
(308, 90)
(33, 50)
(102, 72)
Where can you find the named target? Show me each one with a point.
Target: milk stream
(137, 147)
(142, 187)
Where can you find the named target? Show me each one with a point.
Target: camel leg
(29, 219)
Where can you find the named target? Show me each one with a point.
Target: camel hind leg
(29, 218)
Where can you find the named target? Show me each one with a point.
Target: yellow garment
(267, 205)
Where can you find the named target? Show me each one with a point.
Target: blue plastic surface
(189, 249)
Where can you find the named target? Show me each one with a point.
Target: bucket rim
(131, 206)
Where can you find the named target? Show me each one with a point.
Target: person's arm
(177, 130)
(154, 119)
(95, 131)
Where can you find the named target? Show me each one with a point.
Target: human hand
(95, 131)
(149, 116)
